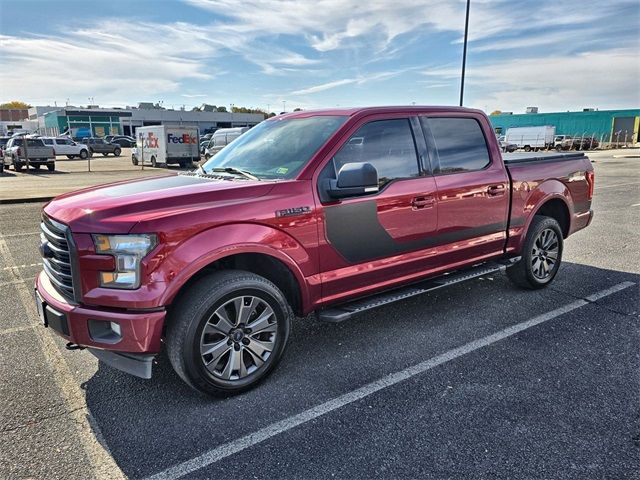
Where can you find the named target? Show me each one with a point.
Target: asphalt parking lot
(480, 380)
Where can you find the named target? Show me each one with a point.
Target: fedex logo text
(184, 138)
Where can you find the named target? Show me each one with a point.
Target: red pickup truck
(333, 212)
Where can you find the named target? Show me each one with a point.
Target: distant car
(3, 143)
(38, 153)
(66, 146)
(123, 141)
(99, 145)
(562, 142)
(584, 143)
(506, 146)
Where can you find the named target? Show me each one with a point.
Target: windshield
(277, 148)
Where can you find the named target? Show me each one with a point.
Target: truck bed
(518, 158)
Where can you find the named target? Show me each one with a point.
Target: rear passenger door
(362, 233)
(472, 189)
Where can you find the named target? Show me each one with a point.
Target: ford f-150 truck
(333, 212)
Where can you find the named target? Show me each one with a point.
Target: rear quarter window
(459, 143)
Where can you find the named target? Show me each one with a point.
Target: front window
(277, 148)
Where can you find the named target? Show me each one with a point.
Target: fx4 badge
(292, 212)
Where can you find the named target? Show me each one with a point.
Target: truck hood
(118, 207)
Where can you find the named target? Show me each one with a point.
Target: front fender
(189, 257)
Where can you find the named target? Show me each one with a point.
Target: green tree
(221, 108)
(15, 105)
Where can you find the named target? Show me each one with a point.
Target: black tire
(134, 160)
(523, 272)
(117, 152)
(527, 148)
(51, 167)
(193, 312)
(84, 154)
(91, 152)
(154, 162)
(17, 166)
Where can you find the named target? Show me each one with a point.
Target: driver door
(373, 240)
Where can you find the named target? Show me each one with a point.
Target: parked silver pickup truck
(38, 153)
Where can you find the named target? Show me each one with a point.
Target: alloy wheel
(544, 255)
(238, 338)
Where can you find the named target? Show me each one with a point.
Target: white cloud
(606, 79)
(347, 81)
(110, 61)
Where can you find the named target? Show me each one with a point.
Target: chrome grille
(57, 256)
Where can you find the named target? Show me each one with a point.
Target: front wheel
(84, 154)
(116, 152)
(541, 255)
(228, 332)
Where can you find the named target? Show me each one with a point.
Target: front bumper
(140, 331)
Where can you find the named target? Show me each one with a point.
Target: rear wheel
(527, 148)
(84, 154)
(228, 332)
(116, 152)
(51, 167)
(541, 255)
(134, 160)
(17, 166)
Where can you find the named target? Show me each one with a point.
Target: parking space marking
(16, 282)
(101, 462)
(16, 267)
(617, 185)
(26, 234)
(24, 328)
(240, 444)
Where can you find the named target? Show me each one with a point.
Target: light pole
(464, 51)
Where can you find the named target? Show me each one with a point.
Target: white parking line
(618, 185)
(235, 446)
(16, 267)
(25, 234)
(101, 463)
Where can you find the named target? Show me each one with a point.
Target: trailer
(531, 138)
(165, 145)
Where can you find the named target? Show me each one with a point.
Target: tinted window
(460, 144)
(48, 141)
(387, 145)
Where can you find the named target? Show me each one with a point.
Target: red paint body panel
(202, 222)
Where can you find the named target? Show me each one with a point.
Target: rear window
(459, 143)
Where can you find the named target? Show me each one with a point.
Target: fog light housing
(104, 331)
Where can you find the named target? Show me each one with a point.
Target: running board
(345, 312)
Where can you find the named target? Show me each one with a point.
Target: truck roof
(409, 109)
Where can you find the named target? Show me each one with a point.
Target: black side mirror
(354, 179)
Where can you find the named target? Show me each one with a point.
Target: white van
(221, 138)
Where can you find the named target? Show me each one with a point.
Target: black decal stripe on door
(356, 233)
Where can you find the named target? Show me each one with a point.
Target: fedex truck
(165, 145)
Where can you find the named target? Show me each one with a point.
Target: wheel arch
(558, 209)
(278, 263)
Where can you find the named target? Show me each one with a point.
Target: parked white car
(66, 146)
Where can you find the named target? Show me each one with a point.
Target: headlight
(128, 251)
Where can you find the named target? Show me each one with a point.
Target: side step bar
(345, 312)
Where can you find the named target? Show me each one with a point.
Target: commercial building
(116, 121)
(605, 125)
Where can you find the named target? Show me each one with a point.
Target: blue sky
(313, 54)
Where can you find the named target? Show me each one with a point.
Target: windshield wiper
(236, 171)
